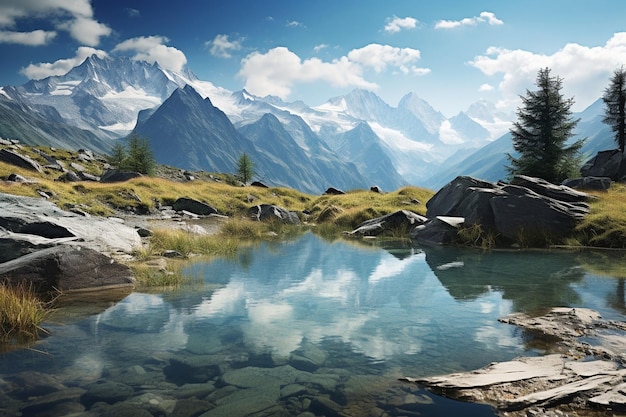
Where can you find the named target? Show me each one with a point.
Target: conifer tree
(245, 168)
(542, 131)
(118, 155)
(614, 101)
(139, 156)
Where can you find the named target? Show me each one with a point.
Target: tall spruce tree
(541, 133)
(614, 101)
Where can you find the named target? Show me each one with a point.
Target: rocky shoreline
(585, 376)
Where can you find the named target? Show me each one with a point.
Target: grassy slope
(604, 227)
(145, 193)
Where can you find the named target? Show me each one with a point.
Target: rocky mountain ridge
(104, 99)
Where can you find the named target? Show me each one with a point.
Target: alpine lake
(304, 327)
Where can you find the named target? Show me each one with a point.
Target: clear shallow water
(292, 327)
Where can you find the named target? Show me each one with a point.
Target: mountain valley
(351, 141)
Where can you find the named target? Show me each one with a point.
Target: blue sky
(449, 52)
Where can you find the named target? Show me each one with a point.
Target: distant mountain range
(352, 141)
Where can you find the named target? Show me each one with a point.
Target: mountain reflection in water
(358, 316)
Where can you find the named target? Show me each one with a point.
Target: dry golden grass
(21, 314)
(605, 226)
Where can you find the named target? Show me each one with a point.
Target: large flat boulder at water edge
(268, 212)
(531, 207)
(448, 201)
(400, 220)
(67, 268)
(524, 213)
(610, 164)
(440, 230)
(533, 386)
(37, 216)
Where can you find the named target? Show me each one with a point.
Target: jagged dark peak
(186, 94)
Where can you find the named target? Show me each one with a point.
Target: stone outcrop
(57, 249)
(269, 212)
(398, 221)
(532, 385)
(66, 268)
(333, 191)
(589, 183)
(19, 160)
(114, 175)
(440, 230)
(35, 216)
(526, 208)
(610, 164)
(193, 206)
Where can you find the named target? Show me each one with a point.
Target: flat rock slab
(37, 216)
(556, 380)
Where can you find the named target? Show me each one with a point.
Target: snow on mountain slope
(106, 95)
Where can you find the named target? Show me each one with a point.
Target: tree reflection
(533, 281)
(610, 264)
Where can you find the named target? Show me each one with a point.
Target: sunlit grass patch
(21, 313)
(605, 225)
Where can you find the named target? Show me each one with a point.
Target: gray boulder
(545, 188)
(268, 212)
(67, 268)
(610, 164)
(69, 176)
(114, 175)
(530, 208)
(440, 230)
(19, 178)
(36, 216)
(193, 206)
(446, 201)
(400, 220)
(524, 214)
(19, 160)
(589, 183)
(85, 176)
(333, 191)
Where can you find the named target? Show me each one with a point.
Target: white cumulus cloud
(380, 57)
(74, 16)
(34, 38)
(62, 66)
(153, 49)
(223, 47)
(86, 30)
(277, 70)
(396, 24)
(484, 17)
(585, 70)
